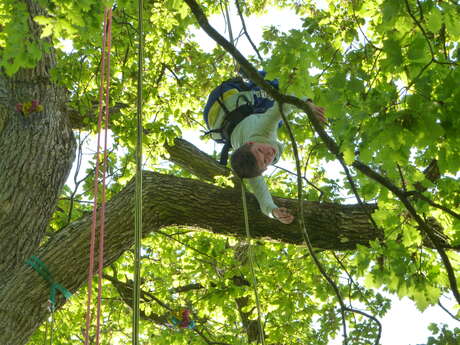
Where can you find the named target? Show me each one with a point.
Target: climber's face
(264, 153)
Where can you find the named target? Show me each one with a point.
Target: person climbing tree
(242, 117)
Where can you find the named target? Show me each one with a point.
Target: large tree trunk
(168, 200)
(36, 155)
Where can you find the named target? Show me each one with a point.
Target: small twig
(420, 196)
(420, 259)
(160, 74)
(212, 263)
(373, 318)
(355, 17)
(186, 288)
(350, 277)
(77, 172)
(179, 80)
(209, 342)
(129, 287)
(403, 182)
(354, 189)
(420, 9)
(329, 64)
(442, 34)
(304, 178)
(237, 3)
(376, 75)
(448, 312)
(420, 27)
(416, 78)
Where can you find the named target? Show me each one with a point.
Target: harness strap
(224, 153)
(222, 104)
(234, 118)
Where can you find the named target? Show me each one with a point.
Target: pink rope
(106, 43)
(104, 171)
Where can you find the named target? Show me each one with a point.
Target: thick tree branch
(167, 200)
(195, 161)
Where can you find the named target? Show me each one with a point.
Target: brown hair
(244, 163)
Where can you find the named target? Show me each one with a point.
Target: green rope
(252, 263)
(40, 267)
(43, 271)
(138, 197)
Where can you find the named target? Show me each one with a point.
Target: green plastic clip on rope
(43, 271)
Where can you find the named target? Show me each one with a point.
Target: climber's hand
(283, 215)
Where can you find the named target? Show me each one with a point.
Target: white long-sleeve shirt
(260, 128)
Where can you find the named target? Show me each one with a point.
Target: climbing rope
(138, 192)
(228, 23)
(245, 31)
(303, 229)
(252, 264)
(246, 218)
(105, 79)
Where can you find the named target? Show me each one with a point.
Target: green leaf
(356, 85)
(393, 50)
(411, 236)
(434, 19)
(42, 20)
(452, 20)
(418, 50)
(338, 80)
(370, 281)
(391, 10)
(348, 155)
(421, 300)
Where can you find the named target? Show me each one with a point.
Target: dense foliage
(387, 72)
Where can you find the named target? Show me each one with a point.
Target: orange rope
(105, 77)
